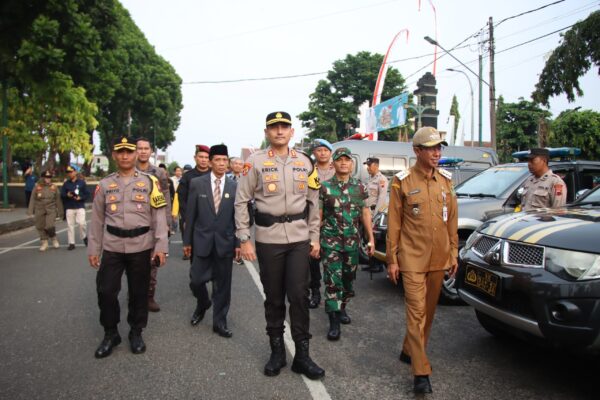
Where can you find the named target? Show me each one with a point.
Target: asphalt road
(49, 330)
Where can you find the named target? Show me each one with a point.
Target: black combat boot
(344, 317)
(315, 298)
(303, 364)
(277, 359)
(334, 326)
(136, 342)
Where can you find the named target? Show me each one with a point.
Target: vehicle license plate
(482, 280)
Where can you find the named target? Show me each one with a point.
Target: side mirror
(581, 193)
(520, 193)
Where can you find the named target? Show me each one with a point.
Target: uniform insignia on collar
(271, 154)
(293, 153)
(446, 174)
(402, 174)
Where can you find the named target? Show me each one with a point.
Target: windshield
(593, 197)
(493, 181)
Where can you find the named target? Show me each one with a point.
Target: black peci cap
(124, 143)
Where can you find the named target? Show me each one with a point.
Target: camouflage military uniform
(548, 191)
(45, 206)
(342, 204)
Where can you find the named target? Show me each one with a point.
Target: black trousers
(284, 271)
(315, 273)
(218, 270)
(108, 285)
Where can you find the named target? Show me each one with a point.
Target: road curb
(16, 225)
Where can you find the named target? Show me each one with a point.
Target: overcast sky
(240, 39)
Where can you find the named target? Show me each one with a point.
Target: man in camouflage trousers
(343, 208)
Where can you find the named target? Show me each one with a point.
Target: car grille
(523, 254)
(484, 244)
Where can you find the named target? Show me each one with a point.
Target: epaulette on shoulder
(446, 174)
(402, 174)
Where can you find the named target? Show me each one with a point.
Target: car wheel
(449, 295)
(491, 325)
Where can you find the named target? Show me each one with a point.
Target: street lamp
(419, 109)
(433, 42)
(472, 103)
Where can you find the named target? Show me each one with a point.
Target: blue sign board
(391, 113)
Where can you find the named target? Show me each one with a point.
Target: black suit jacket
(206, 228)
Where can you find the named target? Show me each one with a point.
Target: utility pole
(492, 87)
(480, 100)
(4, 124)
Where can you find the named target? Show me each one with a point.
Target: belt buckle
(287, 218)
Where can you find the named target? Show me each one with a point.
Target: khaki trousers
(421, 293)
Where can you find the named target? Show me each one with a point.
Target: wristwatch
(244, 238)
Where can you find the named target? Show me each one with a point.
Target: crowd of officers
(307, 215)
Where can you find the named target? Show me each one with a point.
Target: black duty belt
(127, 233)
(264, 219)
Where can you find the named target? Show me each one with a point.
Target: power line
(528, 12)
(395, 61)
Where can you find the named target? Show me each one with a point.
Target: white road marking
(316, 388)
(22, 245)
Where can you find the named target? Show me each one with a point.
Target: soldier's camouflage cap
(342, 151)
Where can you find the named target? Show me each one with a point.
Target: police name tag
(445, 213)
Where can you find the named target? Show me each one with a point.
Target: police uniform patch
(157, 199)
(558, 189)
(313, 180)
(246, 169)
(301, 186)
(140, 184)
(267, 178)
(268, 163)
(271, 153)
(382, 183)
(113, 185)
(140, 197)
(271, 187)
(299, 163)
(112, 198)
(113, 207)
(97, 190)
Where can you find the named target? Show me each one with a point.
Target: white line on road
(316, 388)
(22, 245)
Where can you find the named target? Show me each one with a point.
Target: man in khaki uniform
(377, 186)
(45, 206)
(128, 228)
(287, 230)
(144, 150)
(422, 243)
(543, 189)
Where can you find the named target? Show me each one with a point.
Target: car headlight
(471, 240)
(573, 265)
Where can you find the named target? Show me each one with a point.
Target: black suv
(491, 193)
(537, 274)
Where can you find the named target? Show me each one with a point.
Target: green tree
(579, 50)
(454, 111)
(333, 106)
(577, 129)
(517, 126)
